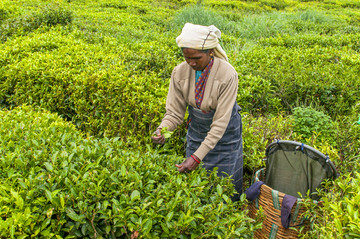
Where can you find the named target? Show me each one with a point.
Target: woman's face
(197, 59)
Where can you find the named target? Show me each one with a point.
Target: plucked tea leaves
(166, 133)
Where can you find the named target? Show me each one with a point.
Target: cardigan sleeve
(175, 105)
(226, 99)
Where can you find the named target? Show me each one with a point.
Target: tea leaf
(166, 133)
(148, 225)
(48, 166)
(72, 214)
(135, 195)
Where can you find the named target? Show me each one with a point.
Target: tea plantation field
(83, 85)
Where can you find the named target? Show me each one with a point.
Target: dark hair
(203, 51)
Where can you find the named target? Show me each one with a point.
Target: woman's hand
(188, 165)
(157, 137)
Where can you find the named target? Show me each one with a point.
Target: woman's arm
(175, 105)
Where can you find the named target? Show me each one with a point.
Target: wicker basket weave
(271, 201)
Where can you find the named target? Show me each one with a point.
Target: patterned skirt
(227, 155)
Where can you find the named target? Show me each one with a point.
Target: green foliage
(7, 10)
(105, 66)
(256, 94)
(308, 121)
(338, 216)
(306, 69)
(199, 15)
(3, 14)
(276, 4)
(166, 132)
(95, 89)
(55, 182)
(262, 25)
(348, 142)
(258, 132)
(50, 15)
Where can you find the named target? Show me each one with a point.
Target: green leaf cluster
(338, 215)
(301, 70)
(50, 15)
(105, 67)
(308, 121)
(55, 182)
(166, 133)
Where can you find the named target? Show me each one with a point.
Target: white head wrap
(201, 38)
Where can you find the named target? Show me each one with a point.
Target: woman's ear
(211, 53)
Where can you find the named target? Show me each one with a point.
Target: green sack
(294, 168)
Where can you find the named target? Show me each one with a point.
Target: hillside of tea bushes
(57, 183)
(83, 84)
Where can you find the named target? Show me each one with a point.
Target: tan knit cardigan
(220, 95)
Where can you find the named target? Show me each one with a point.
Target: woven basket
(271, 201)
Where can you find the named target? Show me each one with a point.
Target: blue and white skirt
(227, 155)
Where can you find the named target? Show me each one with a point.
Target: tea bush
(308, 121)
(105, 67)
(348, 142)
(323, 75)
(97, 57)
(8, 10)
(256, 94)
(51, 15)
(258, 133)
(57, 183)
(338, 216)
(97, 91)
